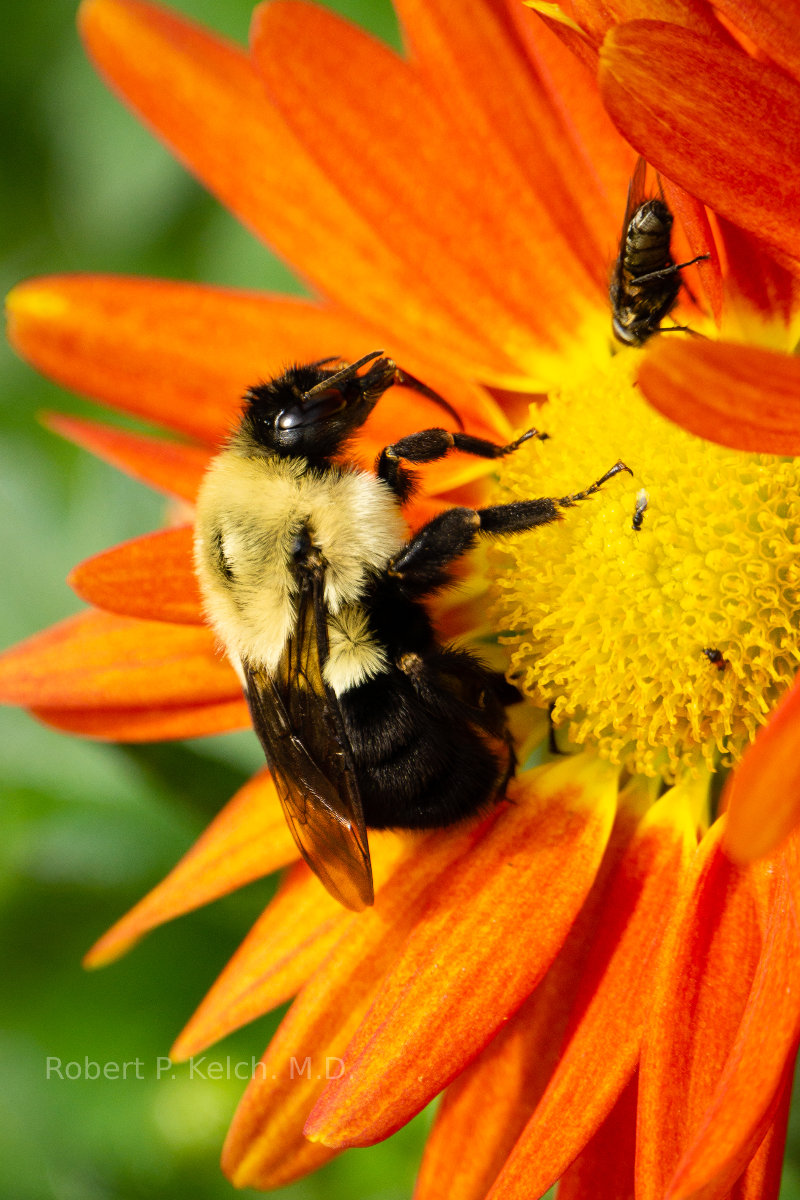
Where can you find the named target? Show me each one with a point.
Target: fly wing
(637, 194)
(636, 197)
(299, 724)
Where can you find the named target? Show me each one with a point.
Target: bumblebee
(646, 280)
(317, 593)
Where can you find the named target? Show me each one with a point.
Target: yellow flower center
(664, 644)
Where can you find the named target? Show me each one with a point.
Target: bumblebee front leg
(422, 563)
(431, 444)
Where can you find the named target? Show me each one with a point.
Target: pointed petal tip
(107, 950)
(181, 1049)
(33, 302)
(90, 11)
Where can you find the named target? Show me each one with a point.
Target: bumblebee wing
(298, 722)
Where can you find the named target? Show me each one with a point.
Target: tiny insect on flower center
(663, 638)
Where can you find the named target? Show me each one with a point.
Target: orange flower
(585, 971)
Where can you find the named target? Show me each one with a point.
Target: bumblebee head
(310, 412)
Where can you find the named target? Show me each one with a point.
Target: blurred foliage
(87, 828)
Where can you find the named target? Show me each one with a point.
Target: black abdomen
(429, 740)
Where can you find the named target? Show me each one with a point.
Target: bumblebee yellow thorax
(250, 511)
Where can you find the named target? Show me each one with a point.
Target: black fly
(646, 279)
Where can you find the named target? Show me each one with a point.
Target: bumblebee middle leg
(429, 445)
(422, 563)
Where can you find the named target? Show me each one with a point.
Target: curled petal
(656, 79)
(693, 222)
(149, 577)
(249, 839)
(564, 815)
(754, 273)
(739, 396)
(596, 20)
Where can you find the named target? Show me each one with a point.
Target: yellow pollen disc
(664, 644)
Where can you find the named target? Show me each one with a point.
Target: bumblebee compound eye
(313, 409)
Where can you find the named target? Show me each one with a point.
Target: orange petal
(604, 1170)
(772, 27)
(751, 1087)
(500, 1089)
(702, 991)
(265, 1146)
(204, 98)
(656, 79)
(150, 724)
(170, 467)
(151, 576)
(182, 355)
(200, 93)
(287, 944)
(754, 274)
(474, 66)
(98, 660)
(248, 839)
(404, 411)
(462, 212)
(495, 1093)
(763, 793)
(600, 1049)
(698, 237)
(762, 1177)
(399, 1059)
(739, 396)
(178, 469)
(596, 20)
(606, 161)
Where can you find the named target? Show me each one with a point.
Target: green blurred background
(87, 828)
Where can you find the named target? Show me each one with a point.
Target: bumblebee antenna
(382, 375)
(410, 381)
(342, 376)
